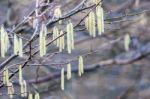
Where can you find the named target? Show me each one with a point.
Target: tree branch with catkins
(45, 16)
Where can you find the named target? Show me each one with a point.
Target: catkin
(87, 23)
(68, 71)
(15, 45)
(126, 42)
(30, 96)
(10, 90)
(58, 13)
(23, 89)
(80, 66)
(100, 19)
(18, 48)
(37, 95)
(62, 79)
(61, 42)
(70, 37)
(55, 35)
(20, 74)
(42, 40)
(92, 27)
(4, 42)
(5, 76)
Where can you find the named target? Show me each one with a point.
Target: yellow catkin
(23, 89)
(58, 13)
(80, 66)
(16, 45)
(87, 23)
(70, 37)
(42, 40)
(68, 40)
(55, 35)
(20, 74)
(126, 42)
(44, 29)
(10, 90)
(41, 44)
(61, 42)
(5, 76)
(100, 19)
(92, 27)
(37, 95)
(62, 79)
(4, 41)
(68, 71)
(30, 96)
(20, 48)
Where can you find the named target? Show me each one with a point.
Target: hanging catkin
(126, 42)
(23, 91)
(62, 79)
(15, 45)
(42, 40)
(80, 66)
(20, 74)
(37, 95)
(18, 48)
(100, 19)
(87, 23)
(30, 96)
(5, 76)
(70, 37)
(68, 71)
(61, 42)
(55, 35)
(4, 41)
(58, 14)
(10, 90)
(92, 27)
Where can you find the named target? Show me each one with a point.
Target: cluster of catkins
(23, 85)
